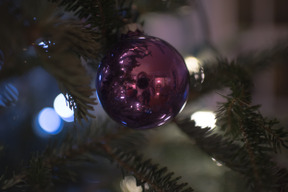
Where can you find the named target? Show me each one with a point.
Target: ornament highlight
(143, 82)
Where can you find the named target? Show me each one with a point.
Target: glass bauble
(142, 82)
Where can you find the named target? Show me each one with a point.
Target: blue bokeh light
(8, 94)
(46, 45)
(43, 44)
(48, 122)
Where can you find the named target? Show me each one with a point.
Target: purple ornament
(143, 82)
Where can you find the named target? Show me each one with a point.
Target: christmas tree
(55, 55)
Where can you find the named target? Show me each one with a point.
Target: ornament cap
(132, 28)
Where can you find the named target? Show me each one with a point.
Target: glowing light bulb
(195, 69)
(193, 64)
(129, 184)
(204, 119)
(217, 162)
(49, 122)
(62, 108)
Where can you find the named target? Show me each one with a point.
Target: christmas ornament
(143, 82)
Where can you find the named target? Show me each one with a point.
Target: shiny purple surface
(143, 82)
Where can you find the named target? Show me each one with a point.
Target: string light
(48, 122)
(193, 64)
(204, 119)
(62, 108)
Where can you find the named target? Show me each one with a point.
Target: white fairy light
(128, 184)
(62, 108)
(204, 119)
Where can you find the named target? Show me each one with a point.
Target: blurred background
(200, 30)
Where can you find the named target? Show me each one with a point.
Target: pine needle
(158, 179)
(58, 51)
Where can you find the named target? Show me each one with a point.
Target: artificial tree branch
(220, 71)
(234, 155)
(145, 172)
(39, 173)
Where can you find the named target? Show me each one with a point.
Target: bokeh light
(62, 108)
(193, 64)
(48, 122)
(8, 94)
(46, 44)
(204, 119)
(217, 162)
(195, 69)
(129, 184)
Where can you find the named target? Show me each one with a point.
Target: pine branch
(7, 184)
(60, 53)
(237, 116)
(163, 6)
(92, 10)
(235, 155)
(43, 171)
(55, 163)
(104, 16)
(224, 150)
(256, 136)
(221, 71)
(219, 74)
(157, 178)
(15, 40)
(262, 59)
